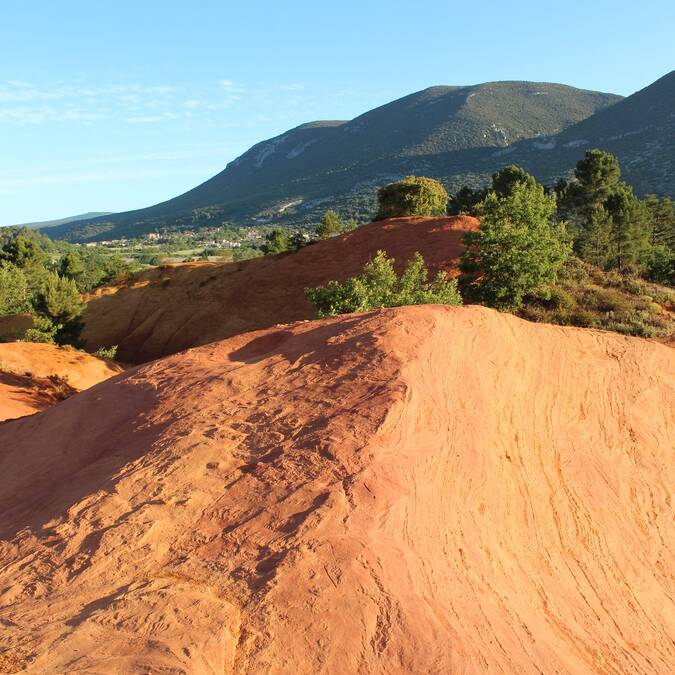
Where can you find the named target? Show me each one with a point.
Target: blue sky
(117, 105)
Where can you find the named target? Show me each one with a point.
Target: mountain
(164, 309)
(414, 490)
(639, 130)
(441, 131)
(44, 224)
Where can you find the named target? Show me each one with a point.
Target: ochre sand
(424, 490)
(165, 309)
(25, 368)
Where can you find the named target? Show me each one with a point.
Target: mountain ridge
(457, 134)
(44, 224)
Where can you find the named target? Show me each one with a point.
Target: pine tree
(329, 226)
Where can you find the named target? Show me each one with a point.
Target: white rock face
(267, 150)
(299, 149)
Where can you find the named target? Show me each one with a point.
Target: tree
(412, 196)
(277, 241)
(662, 214)
(71, 266)
(59, 300)
(660, 265)
(594, 240)
(379, 286)
(598, 175)
(23, 252)
(630, 229)
(516, 251)
(116, 269)
(466, 201)
(504, 180)
(14, 295)
(329, 226)
(612, 228)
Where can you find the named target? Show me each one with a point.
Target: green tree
(516, 251)
(14, 295)
(59, 300)
(505, 180)
(71, 266)
(115, 269)
(412, 196)
(662, 214)
(329, 226)
(277, 241)
(598, 175)
(660, 265)
(594, 240)
(379, 286)
(23, 252)
(630, 229)
(466, 201)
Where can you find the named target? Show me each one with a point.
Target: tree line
(46, 279)
(527, 233)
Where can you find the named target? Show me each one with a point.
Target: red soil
(423, 489)
(36, 376)
(164, 310)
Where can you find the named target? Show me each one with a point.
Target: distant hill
(457, 134)
(44, 224)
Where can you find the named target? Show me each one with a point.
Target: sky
(115, 105)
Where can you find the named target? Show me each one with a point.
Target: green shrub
(412, 196)
(609, 300)
(246, 253)
(583, 317)
(379, 286)
(559, 298)
(43, 330)
(106, 352)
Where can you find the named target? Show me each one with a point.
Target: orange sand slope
(25, 369)
(168, 309)
(422, 489)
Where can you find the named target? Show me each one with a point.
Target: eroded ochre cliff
(423, 489)
(172, 307)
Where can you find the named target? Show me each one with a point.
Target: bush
(246, 253)
(559, 298)
(43, 330)
(106, 352)
(413, 196)
(583, 318)
(379, 286)
(608, 300)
